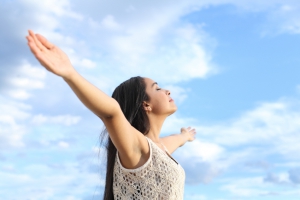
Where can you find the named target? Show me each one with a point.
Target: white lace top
(161, 177)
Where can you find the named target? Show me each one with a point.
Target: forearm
(178, 139)
(97, 101)
(172, 142)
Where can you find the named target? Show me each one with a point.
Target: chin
(173, 111)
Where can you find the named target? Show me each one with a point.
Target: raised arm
(172, 142)
(57, 62)
(131, 144)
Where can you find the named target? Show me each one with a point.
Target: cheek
(160, 101)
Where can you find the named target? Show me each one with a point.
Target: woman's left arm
(172, 142)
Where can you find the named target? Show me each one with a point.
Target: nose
(168, 92)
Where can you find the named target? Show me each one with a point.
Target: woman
(139, 164)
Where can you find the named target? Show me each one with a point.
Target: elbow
(112, 111)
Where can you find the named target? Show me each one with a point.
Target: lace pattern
(159, 178)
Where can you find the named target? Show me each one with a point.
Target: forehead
(149, 82)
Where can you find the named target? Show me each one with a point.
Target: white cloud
(151, 40)
(39, 181)
(201, 161)
(66, 120)
(173, 58)
(154, 39)
(170, 128)
(23, 79)
(290, 17)
(110, 23)
(63, 144)
(26, 83)
(195, 197)
(257, 187)
(206, 150)
(57, 7)
(18, 94)
(270, 129)
(142, 41)
(282, 15)
(275, 123)
(245, 187)
(84, 63)
(36, 72)
(178, 94)
(11, 122)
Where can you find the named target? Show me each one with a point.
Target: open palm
(50, 56)
(189, 133)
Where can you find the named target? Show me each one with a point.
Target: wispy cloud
(66, 120)
(247, 144)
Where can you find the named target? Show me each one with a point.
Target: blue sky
(232, 67)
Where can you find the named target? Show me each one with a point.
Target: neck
(156, 123)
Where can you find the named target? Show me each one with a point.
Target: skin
(158, 109)
(131, 144)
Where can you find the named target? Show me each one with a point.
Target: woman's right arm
(57, 62)
(130, 143)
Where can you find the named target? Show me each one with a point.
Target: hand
(50, 56)
(188, 133)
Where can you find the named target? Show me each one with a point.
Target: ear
(146, 106)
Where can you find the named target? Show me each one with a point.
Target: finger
(36, 41)
(189, 127)
(33, 40)
(36, 51)
(33, 48)
(44, 41)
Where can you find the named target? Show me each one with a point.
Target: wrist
(183, 139)
(70, 76)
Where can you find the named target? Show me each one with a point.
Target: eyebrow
(153, 84)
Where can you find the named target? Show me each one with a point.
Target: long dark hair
(130, 96)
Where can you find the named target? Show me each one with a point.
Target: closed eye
(158, 89)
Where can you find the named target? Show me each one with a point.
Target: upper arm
(130, 143)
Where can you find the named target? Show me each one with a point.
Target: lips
(171, 100)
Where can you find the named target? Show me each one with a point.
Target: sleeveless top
(161, 177)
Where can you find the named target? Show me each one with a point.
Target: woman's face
(160, 101)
